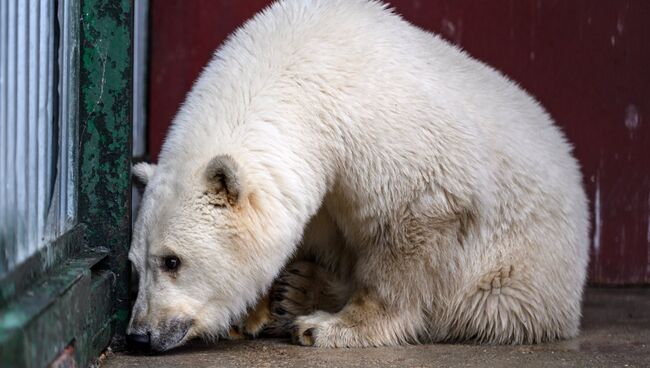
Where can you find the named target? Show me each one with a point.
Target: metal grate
(37, 128)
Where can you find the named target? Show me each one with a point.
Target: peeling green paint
(106, 106)
(64, 306)
(105, 136)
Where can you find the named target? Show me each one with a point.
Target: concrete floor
(616, 333)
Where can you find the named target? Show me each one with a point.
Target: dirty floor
(616, 333)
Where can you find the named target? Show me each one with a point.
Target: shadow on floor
(615, 333)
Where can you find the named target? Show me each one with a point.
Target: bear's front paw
(294, 292)
(301, 289)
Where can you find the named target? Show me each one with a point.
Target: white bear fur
(457, 197)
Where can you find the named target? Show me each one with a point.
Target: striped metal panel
(37, 135)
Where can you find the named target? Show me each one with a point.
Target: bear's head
(201, 250)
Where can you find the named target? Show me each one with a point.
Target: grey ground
(616, 333)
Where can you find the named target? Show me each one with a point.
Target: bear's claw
(303, 337)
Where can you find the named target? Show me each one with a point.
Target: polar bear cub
(397, 189)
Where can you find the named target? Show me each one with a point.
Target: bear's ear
(224, 176)
(143, 172)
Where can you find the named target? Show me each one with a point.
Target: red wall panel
(586, 61)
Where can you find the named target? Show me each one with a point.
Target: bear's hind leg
(510, 306)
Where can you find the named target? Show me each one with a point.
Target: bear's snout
(167, 335)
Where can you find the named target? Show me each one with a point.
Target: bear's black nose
(138, 343)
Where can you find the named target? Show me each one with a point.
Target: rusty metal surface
(586, 61)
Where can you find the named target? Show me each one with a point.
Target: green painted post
(105, 99)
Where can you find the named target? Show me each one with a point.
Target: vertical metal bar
(64, 123)
(52, 123)
(21, 129)
(140, 39)
(68, 118)
(140, 27)
(4, 122)
(41, 121)
(72, 116)
(12, 138)
(31, 173)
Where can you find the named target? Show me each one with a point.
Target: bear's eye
(172, 263)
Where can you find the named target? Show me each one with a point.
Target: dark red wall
(587, 61)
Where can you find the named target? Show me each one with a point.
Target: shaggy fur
(438, 191)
